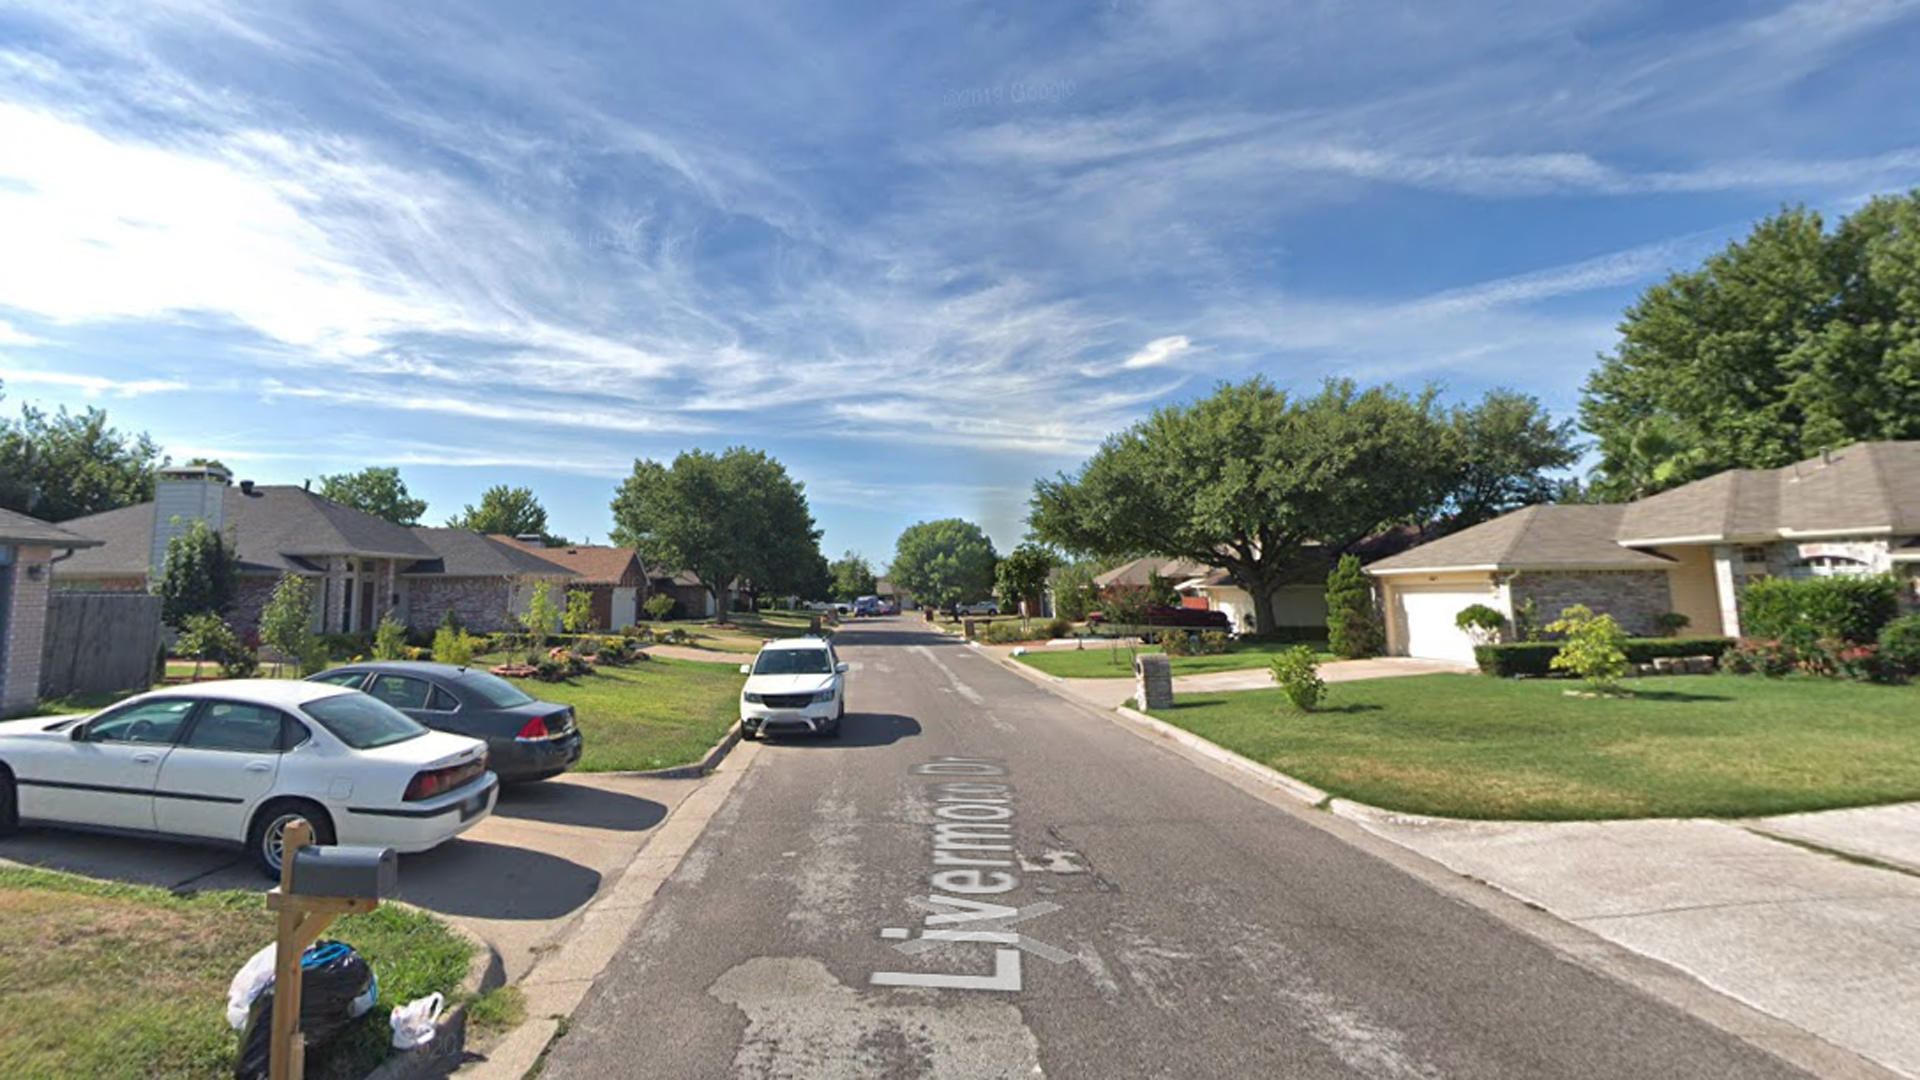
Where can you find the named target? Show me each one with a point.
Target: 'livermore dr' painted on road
(973, 839)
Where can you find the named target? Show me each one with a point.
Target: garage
(1427, 614)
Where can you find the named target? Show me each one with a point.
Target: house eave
(1485, 568)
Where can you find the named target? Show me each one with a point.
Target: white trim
(1669, 540)
(1876, 530)
(1661, 566)
(1439, 570)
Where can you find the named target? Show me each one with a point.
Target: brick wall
(480, 603)
(25, 626)
(251, 601)
(1633, 597)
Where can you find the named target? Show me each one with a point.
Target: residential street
(1199, 930)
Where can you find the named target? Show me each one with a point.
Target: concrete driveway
(1113, 693)
(517, 880)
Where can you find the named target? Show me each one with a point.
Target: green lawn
(1474, 747)
(744, 633)
(104, 980)
(652, 714)
(1109, 660)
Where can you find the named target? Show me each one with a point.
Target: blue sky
(922, 253)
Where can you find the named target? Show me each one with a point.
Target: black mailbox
(353, 873)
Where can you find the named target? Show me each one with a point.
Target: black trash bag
(332, 977)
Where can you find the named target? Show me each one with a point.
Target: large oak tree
(375, 490)
(942, 562)
(1248, 477)
(1794, 339)
(724, 517)
(66, 465)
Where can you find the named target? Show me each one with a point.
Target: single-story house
(692, 599)
(612, 576)
(885, 588)
(362, 566)
(1690, 550)
(28, 549)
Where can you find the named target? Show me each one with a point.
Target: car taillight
(426, 785)
(536, 729)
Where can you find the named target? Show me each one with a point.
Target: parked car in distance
(818, 605)
(867, 606)
(797, 685)
(981, 607)
(238, 761)
(527, 739)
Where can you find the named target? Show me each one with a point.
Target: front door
(107, 777)
(368, 617)
(221, 770)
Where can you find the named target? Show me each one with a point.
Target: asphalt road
(1199, 931)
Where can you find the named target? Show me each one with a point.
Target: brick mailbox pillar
(1153, 681)
(966, 626)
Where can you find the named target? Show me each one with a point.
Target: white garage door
(1428, 615)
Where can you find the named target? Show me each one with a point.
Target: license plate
(472, 805)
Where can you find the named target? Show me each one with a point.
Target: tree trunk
(1263, 616)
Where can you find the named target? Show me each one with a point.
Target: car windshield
(363, 722)
(497, 691)
(792, 662)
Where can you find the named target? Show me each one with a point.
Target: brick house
(362, 566)
(1689, 551)
(28, 550)
(612, 576)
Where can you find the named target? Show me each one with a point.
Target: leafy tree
(1297, 672)
(286, 622)
(206, 636)
(1022, 575)
(659, 605)
(1595, 649)
(852, 577)
(579, 616)
(69, 465)
(506, 511)
(207, 463)
(543, 614)
(1793, 339)
(1353, 620)
(1074, 593)
(725, 517)
(200, 576)
(375, 490)
(1245, 478)
(1503, 449)
(943, 562)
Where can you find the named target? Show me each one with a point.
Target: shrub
(450, 620)
(1177, 643)
(451, 646)
(1536, 657)
(659, 605)
(1526, 620)
(1804, 611)
(579, 617)
(314, 659)
(1213, 643)
(390, 640)
(1900, 647)
(1481, 623)
(207, 638)
(1594, 649)
(1297, 672)
(1671, 623)
(1354, 628)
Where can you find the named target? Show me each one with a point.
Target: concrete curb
(1299, 789)
(486, 971)
(561, 979)
(701, 768)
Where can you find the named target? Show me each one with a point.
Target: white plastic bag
(250, 982)
(413, 1022)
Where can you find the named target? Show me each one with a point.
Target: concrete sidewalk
(1821, 942)
(1810, 918)
(1113, 693)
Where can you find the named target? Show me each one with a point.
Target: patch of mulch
(515, 671)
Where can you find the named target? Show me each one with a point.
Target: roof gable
(462, 553)
(595, 565)
(1545, 537)
(21, 529)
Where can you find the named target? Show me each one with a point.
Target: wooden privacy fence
(99, 642)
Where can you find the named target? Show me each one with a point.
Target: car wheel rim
(276, 839)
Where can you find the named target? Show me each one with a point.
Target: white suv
(797, 684)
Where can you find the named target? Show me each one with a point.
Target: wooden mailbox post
(304, 917)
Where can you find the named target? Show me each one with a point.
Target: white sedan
(238, 761)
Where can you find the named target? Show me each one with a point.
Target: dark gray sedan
(526, 739)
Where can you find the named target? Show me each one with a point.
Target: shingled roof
(464, 553)
(1553, 537)
(277, 528)
(594, 565)
(1864, 488)
(24, 530)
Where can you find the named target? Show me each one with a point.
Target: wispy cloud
(1157, 352)
(91, 385)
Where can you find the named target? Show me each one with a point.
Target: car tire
(263, 839)
(749, 734)
(9, 803)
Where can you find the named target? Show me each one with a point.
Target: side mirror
(842, 667)
(746, 669)
(79, 732)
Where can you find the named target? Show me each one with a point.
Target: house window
(1828, 566)
(1753, 555)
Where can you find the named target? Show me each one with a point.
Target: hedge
(1536, 657)
(1851, 609)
